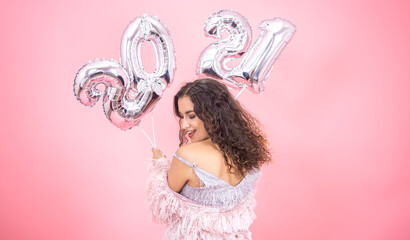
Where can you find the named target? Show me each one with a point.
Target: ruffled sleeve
(187, 218)
(158, 190)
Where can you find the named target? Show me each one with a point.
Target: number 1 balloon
(254, 68)
(130, 92)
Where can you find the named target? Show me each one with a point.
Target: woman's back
(212, 183)
(206, 156)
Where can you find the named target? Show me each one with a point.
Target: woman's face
(192, 126)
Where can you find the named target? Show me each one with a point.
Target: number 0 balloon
(130, 92)
(256, 64)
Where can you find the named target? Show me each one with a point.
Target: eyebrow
(187, 112)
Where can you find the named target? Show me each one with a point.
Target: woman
(207, 192)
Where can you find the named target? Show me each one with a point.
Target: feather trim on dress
(187, 219)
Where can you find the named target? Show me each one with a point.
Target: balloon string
(153, 129)
(240, 92)
(146, 135)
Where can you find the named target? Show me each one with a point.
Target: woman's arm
(164, 203)
(178, 174)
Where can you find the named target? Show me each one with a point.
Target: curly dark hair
(230, 126)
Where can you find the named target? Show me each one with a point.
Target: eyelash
(190, 117)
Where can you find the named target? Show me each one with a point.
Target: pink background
(336, 110)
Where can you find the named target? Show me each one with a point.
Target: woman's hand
(157, 153)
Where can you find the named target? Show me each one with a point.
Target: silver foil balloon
(213, 60)
(258, 61)
(130, 92)
(254, 68)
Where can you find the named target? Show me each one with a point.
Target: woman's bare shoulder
(195, 152)
(188, 151)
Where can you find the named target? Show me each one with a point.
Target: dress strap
(206, 178)
(184, 161)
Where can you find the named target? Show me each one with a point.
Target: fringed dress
(216, 210)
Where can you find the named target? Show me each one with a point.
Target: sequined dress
(216, 210)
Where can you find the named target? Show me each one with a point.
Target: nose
(184, 123)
